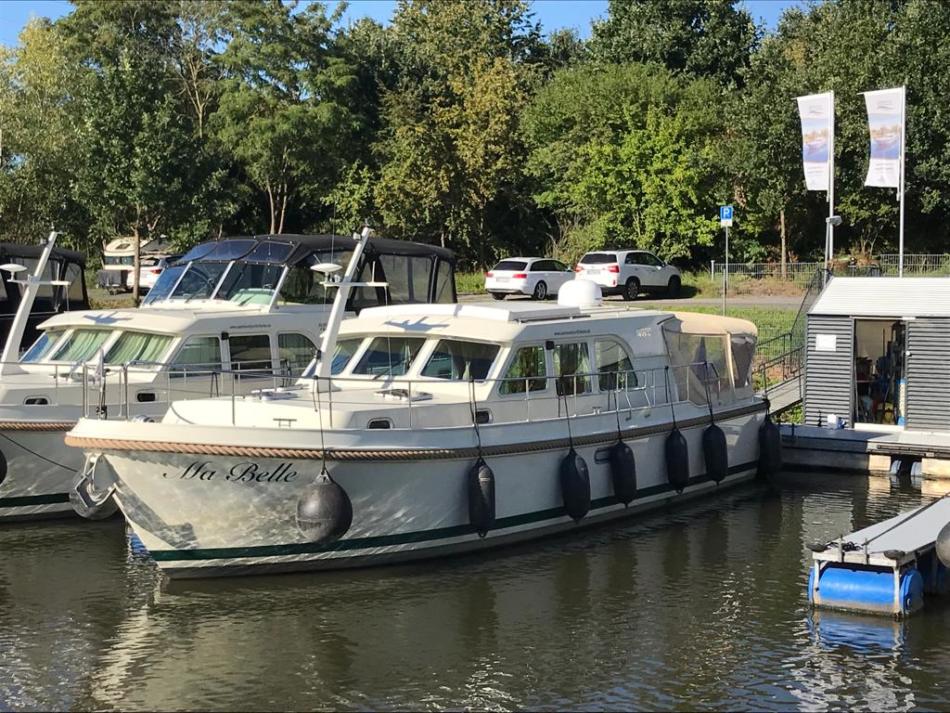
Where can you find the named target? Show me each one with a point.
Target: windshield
(42, 346)
(138, 346)
(165, 283)
(342, 354)
(199, 280)
(81, 345)
(389, 356)
(457, 360)
(598, 258)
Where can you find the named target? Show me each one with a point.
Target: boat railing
(115, 392)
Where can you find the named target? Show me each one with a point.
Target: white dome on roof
(583, 294)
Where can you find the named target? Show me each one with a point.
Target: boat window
(250, 283)
(250, 351)
(227, 250)
(389, 356)
(165, 283)
(81, 344)
(270, 251)
(43, 302)
(138, 347)
(199, 251)
(456, 360)
(342, 354)
(198, 354)
(614, 368)
(444, 283)
(295, 351)
(304, 286)
(73, 275)
(527, 363)
(743, 349)
(3, 288)
(42, 346)
(200, 280)
(408, 277)
(689, 354)
(572, 367)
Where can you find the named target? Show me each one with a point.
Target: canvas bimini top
(276, 269)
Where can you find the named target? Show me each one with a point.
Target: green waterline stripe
(26, 500)
(407, 538)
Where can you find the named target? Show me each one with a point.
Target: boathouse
(878, 355)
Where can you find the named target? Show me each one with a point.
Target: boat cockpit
(277, 271)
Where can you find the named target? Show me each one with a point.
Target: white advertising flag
(818, 127)
(886, 124)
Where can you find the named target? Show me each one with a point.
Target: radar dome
(580, 293)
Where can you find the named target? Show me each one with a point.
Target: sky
(552, 14)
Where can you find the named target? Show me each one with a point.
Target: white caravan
(446, 428)
(238, 314)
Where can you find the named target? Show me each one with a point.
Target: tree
(701, 38)
(450, 152)
(281, 111)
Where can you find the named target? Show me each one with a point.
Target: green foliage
(460, 123)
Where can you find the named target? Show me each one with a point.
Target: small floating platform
(886, 568)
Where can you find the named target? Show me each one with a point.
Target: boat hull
(38, 470)
(202, 515)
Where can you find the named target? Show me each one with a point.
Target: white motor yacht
(232, 316)
(441, 429)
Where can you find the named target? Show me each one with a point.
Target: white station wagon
(629, 272)
(536, 276)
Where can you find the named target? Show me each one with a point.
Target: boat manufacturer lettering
(245, 472)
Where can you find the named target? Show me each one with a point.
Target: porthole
(36, 401)
(379, 423)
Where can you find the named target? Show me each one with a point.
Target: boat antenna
(666, 376)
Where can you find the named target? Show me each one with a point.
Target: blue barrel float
(854, 587)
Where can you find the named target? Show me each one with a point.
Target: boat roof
(884, 297)
(213, 317)
(292, 249)
(503, 323)
(15, 250)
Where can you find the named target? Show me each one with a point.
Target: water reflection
(697, 607)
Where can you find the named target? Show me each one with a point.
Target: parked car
(539, 277)
(629, 272)
(149, 271)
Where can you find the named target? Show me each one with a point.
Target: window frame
(430, 352)
(509, 360)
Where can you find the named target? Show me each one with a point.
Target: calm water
(702, 607)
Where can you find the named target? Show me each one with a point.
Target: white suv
(535, 276)
(629, 272)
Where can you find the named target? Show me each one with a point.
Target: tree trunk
(136, 263)
(781, 217)
(273, 210)
(283, 209)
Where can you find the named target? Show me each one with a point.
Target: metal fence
(919, 264)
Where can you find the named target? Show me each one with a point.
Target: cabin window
(295, 350)
(248, 283)
(743, 349)
(456, 360)
(444, 283)
(527, 363)
(250, 352)
(199, 281)
(614, 368)
(572, 368)
(36, 401)
(42, 346)
(138, 346)
(73, 274)
(165, 283)
(389, 356)
(198, 354)
(342, 354)
(81, 345)
(698, 362)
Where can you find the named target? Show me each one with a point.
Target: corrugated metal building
(878, 354)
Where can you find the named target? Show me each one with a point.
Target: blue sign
(725, 215)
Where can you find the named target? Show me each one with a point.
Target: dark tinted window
(598, 258)
(560, 266)
(544, 266)
(269, 251)
(230, 250)
(511, 265)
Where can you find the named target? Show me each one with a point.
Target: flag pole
(831, 183)
(900, 230)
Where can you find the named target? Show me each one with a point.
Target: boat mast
(11, 350)
(343, 287)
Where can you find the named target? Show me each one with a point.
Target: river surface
(699, 607)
